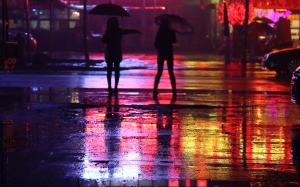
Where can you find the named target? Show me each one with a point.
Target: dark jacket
(113, 39)
(164, 40)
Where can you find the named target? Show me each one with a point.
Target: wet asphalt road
(60, 128)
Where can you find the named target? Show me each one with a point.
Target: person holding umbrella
(113, 49)
(165, 37)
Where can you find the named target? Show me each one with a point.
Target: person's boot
(116, 90)
(155, 93)
(110, 90)
(173, 84)
(174, 94)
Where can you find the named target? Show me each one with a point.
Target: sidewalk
(75, 61)
(78, 59)
(223, 129)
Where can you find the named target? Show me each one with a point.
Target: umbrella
(178, 24)
(263, 20)
(109, 9)
(261, 27)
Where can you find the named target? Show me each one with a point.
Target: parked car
(12, 33)
(283, 61)
(67, 40)
(295, 86)
(33, 42)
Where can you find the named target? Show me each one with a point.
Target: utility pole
(85, 44)
(4, 31)
(226, 33)
(27, 28)
(4, 37)
(245, 39)
(5, 19)
(51, 8)
(143, 21)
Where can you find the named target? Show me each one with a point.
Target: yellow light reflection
(259, 148)
(277, 146)
(74, 97)
(259, 112)
(197, 143)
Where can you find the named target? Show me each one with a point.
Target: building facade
(59, 26)
(53, 25)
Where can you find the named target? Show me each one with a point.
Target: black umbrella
(263, 20)
(109, 9)
(261, 27)
(178, 24)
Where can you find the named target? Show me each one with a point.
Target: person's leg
(109, 74)
(170, 63)
(117, 75)
(160, 67)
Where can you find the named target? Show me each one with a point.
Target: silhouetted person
(20, 50)
(113, 50)
(164, 40)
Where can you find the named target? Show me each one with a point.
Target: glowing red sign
(236, 13)
(277, 4)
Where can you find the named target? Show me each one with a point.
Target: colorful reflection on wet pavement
(242, 138)
(61, 128)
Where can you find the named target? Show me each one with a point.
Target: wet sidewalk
(82, 137)
(60, 128)
(76, 60)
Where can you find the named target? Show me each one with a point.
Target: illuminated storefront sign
(20, 4)
(277, 4)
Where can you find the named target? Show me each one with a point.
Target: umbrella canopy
(178, 24)
(263, 20)
(109, 9)
(260, 27)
